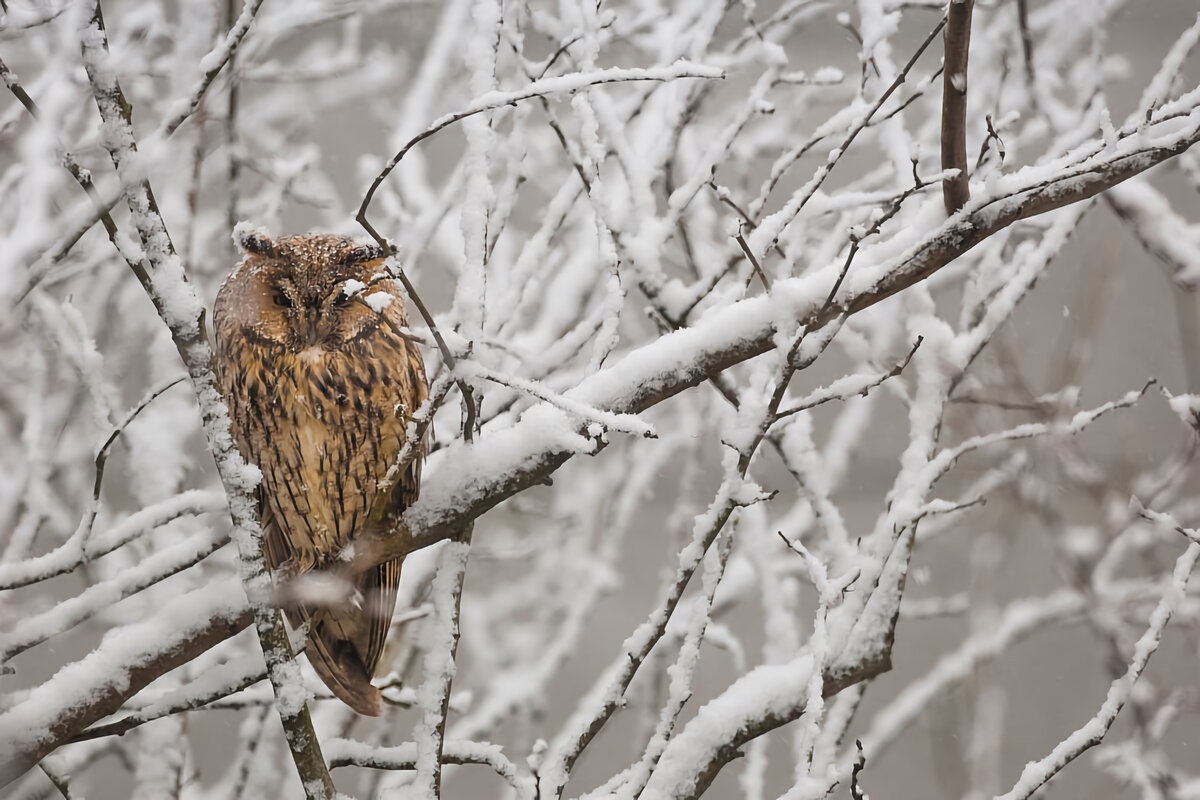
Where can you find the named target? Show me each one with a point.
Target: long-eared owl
(321, 385)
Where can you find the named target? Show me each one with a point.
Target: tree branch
(956, 190)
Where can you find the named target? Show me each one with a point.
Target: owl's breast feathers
(324, 426)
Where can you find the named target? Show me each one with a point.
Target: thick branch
(50, 716)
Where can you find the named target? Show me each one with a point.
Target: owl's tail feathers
(342, 670)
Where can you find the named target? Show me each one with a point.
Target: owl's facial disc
(322, 317)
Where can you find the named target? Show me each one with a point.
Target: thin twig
(850, 386)
(60, 781)
(127, 723)
(82, 176)
(133, 176)
(857, 238)
(1027, 50)
(758, 270)
(1037, 773)
(119, 428)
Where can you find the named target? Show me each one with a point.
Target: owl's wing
(346, 644)
(277, 549)
(385, 581)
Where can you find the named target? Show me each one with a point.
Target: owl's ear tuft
(366, 252)
(254, 240)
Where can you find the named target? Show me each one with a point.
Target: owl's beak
(312, 317)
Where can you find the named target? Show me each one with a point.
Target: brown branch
(657, 379)
(758, 270)
(860, 763)
(1027, 49)
(118, 429)
(955, 190)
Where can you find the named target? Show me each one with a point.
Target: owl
(321, 385)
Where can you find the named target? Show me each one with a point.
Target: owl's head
(302, 292)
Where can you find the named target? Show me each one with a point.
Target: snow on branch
(127, 659)
(1037, 773)
(344, 752)
(73, 553)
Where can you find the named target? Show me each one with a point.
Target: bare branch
(956, 190)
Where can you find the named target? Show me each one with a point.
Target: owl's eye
(281, 300)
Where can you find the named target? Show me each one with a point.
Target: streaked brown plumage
(320, 389)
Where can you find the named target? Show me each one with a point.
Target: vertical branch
(441, 645)
(955, 190)
(161, 274)
(1027, 50)
(681, 672)
(233, 166)
(608, 693)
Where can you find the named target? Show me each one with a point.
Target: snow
(764, 690)
(1036, 773)
(1186, 407)
(73, 553)
(439, 642)
(829, 75)
(1168, 235)
(378, 301)
(36, 628)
